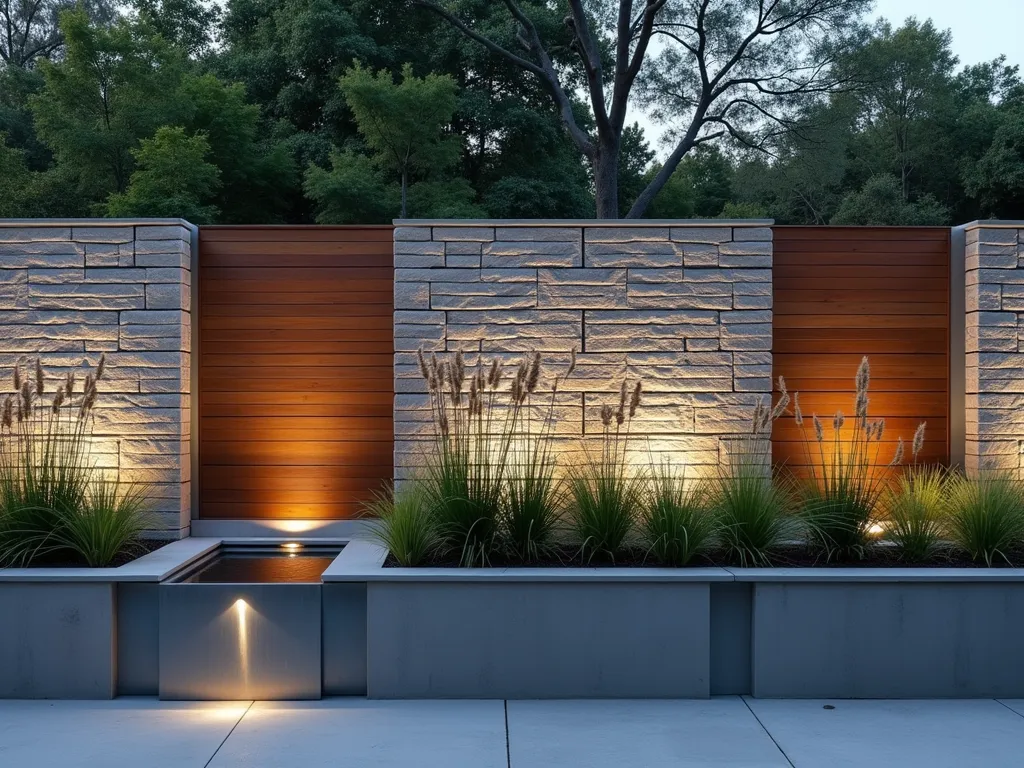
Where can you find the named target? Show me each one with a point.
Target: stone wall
(684, 307)
(994, 267)
(73, 290)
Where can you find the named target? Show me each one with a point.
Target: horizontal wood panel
(841, 293)
(295, 370)
(261, 510)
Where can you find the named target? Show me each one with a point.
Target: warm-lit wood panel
(844, 292)
(295, 370)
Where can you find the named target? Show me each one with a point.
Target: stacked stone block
(71, 291)
(684, 307)
(994, 266)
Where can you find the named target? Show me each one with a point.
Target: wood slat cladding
(295, 370)
(840, 293)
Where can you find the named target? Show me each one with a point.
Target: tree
(172, 179)
(403, 123)
(997, 179)
(353, 191)
(881, 203)
(115, 86)
(15, 175)
(905, 90)
(30, 29)
(257, 175)
(724, 68)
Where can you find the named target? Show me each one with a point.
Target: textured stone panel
(68, 293)
(686, 310)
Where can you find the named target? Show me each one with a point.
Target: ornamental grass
(490, 483)
(840, 503)
(54, 506)
(752, 507)
(607, 492)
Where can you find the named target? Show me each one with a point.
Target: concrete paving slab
(933, 733)
(357, 733)
(596, 734)
(124, 733)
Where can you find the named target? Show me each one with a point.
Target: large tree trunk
(606, 181)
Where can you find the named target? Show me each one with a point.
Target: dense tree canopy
(264, 111)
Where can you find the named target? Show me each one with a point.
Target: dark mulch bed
(788, 557)
(64, 560)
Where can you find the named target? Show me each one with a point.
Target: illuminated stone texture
(994, 263)
(684, 307)
(72, 291)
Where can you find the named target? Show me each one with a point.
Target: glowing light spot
(296, 526)
(877, 529)
(291, 546)
(242, 609)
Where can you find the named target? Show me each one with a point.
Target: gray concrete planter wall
(533, 633)
(887, 633)
(85, 633)
(579, 632)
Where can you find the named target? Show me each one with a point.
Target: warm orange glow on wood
(295, 368)
(841, 293)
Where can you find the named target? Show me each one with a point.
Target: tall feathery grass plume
(840, 502)
(490, 480)
(54, 504)
(607, 488)
(752, 506)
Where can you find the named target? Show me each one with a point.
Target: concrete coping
(617, 223)
(153, 567)
(993, 224)
(20, 223)
(363, 561)
(869, 575)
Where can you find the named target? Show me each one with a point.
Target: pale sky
(982, 30)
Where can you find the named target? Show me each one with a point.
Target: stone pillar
(72, 290)
(994, 276)
(685, 307)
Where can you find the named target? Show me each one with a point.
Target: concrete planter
(886, 633)
(622, 633)
(533, 633)
(85, 633)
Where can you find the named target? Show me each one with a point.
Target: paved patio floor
(727, 731)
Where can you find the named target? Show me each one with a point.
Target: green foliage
(51, 504)
(353, 191)
(986, 516)
(752, 508)
(880, 203)
(915, 513)
(403, 123)
(840, 501)
(16, 178)
(678, 519)
(109, 524)
(115, 86)
(607, 492)
(172, 179)
(404, 524)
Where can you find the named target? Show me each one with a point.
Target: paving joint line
(770, 736)
(224, 740)
(1000, 701)
(508, 748)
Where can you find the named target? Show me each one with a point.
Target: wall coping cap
(153, 567)
(992, 224)
(363, 561)
(584, 222)
(95, 223)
